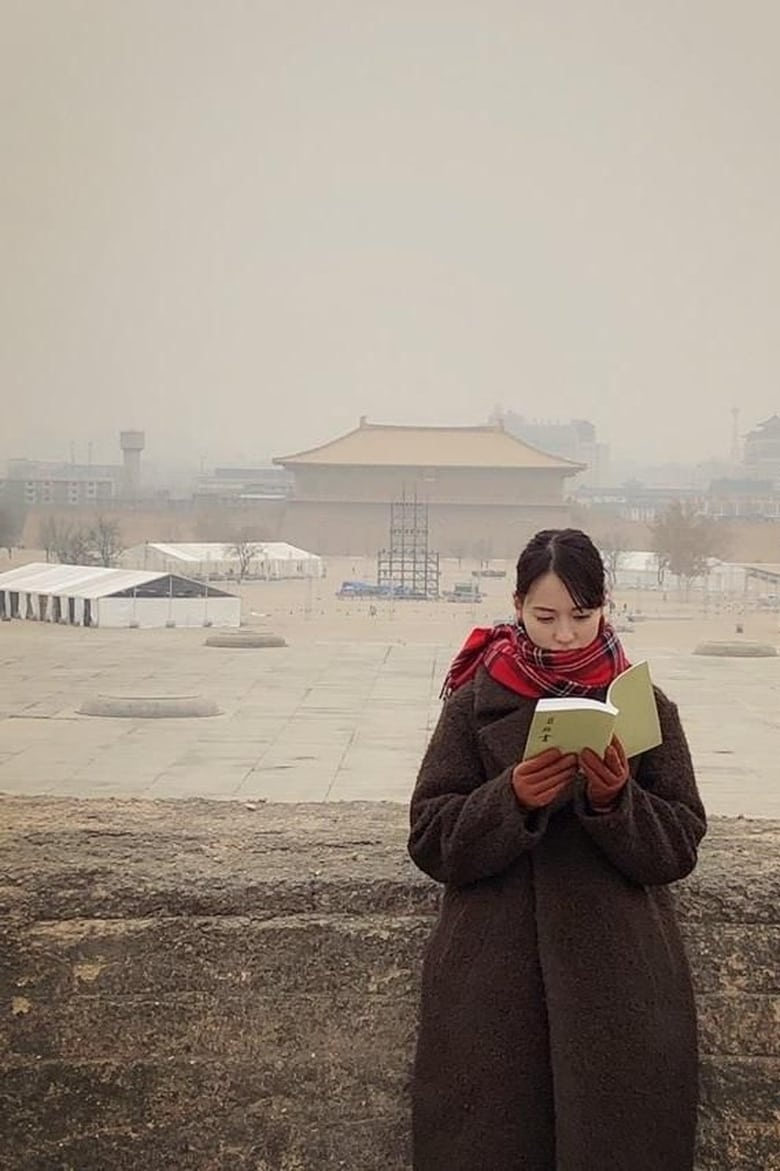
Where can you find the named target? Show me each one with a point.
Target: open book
(571, 724)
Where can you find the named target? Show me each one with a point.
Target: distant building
(725, 499)
(761, 457)
(638, 502)
(230, 484)
(575, 440)
(743, 499)
(486, 490)
(35, 482)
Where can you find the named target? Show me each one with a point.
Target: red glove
(538, 781)
(605, 779)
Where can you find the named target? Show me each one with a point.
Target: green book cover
(629, 712)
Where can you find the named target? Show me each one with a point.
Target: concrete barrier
(737, 650)
(149, 707)
(245, 639)
(219, 987)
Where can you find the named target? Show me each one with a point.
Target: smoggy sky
(241, 224)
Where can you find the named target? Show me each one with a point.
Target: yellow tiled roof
(373, 444)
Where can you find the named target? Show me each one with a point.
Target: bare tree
(106, 540)
(63, 541)
(612, 545)
(50, 531)
(685, 542)
(76, 546)
(99, 544)
(245, 549)
(11, 524)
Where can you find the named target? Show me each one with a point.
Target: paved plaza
(327, 718)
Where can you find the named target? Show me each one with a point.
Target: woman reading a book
(557, 1028)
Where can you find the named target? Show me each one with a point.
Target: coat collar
(503, 720)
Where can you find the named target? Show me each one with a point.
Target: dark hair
(572, 556)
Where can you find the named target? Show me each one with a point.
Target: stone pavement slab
(318, 720)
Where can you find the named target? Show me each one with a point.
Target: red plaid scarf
(508, 655)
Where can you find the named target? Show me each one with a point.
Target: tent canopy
(93, 581)
(206, 551)
(266, 559)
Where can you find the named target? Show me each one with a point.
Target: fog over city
(242, 225)
(389, 584)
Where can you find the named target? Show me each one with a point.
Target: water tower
(132, 444)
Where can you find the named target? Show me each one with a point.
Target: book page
(637, 724)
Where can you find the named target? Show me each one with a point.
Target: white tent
(639, 570)
(89, 595)
(636, 570)
(272, 560)
(727, 577)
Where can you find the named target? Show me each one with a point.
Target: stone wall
(344, 530)
(226, 987)
(455, 530)
(474, 487)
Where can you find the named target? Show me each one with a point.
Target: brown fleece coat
(558, 1029)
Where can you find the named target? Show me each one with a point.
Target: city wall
(362, 529)
(226, 987)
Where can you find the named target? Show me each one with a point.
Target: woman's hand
(605, 779)
(538, 781)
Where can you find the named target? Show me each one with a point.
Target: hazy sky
(241, 224)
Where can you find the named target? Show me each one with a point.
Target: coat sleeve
(652, 834)
(464, 825)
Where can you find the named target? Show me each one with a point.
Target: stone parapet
(225, 987)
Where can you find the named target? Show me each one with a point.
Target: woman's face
(552, 619)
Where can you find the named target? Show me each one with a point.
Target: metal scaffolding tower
(408, 568)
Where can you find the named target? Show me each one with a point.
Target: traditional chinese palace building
(486, 490)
